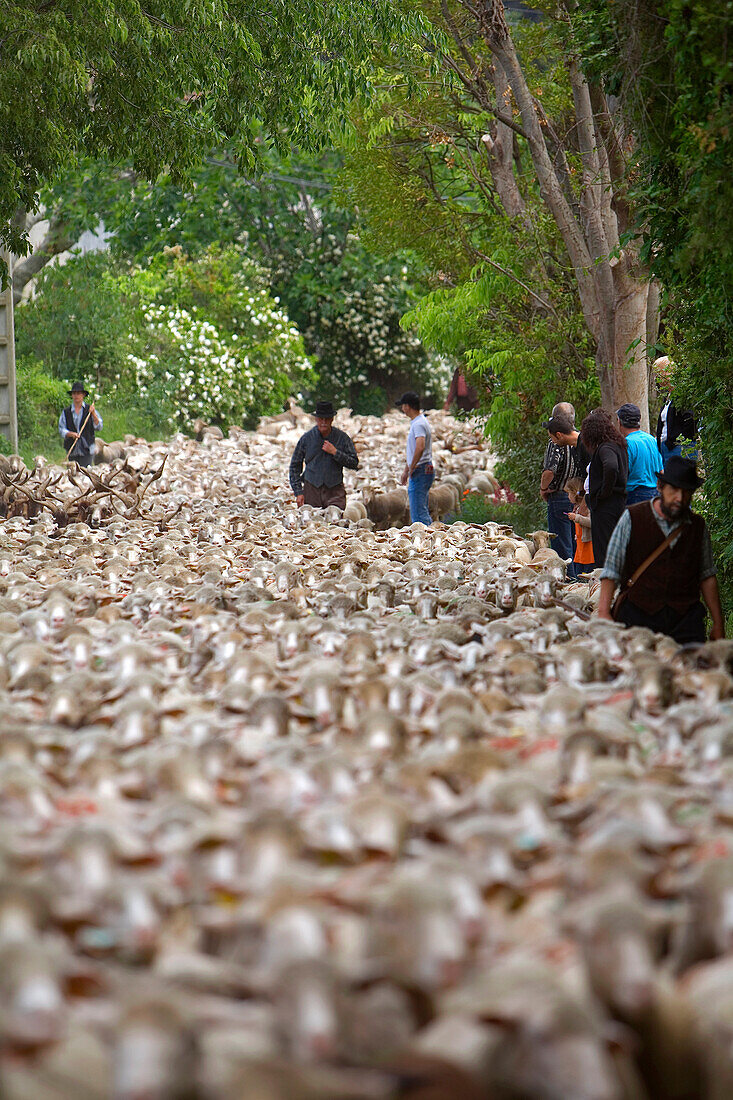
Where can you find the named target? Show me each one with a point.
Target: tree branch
(58, 239)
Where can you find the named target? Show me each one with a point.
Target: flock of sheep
(304, 806)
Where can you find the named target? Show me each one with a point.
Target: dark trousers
(82, 459)
(686, 626)
(322, 496)
(558, 524)
(603, 519)
(641, 492)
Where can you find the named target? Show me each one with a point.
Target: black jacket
(608, 472)
(321, 468)
(680, 425)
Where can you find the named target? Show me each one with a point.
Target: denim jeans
(418, 488)
(558, 523)
(642, 492)
(667, 452)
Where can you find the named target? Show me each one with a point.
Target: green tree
(673, 66)
(347, 300)
(434, 170)
(159, 82)
(169, 342)
(513, 130)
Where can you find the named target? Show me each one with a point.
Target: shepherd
(325, 451)
(77, 425)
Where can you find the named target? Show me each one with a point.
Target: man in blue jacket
(645, 461)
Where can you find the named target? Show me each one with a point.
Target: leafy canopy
(160, 81)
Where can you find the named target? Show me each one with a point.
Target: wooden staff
(81, 429)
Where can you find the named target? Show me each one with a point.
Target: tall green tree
(672, 64)
(527, 126)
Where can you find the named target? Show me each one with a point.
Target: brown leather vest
(673, 580)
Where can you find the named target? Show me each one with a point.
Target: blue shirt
(645, 461)
(78, 418)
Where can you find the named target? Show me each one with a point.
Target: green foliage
(218, 345)
(79, 324)
(522, 517)
(503, 298)
(158, 83)
(40, 399)
(346, 300)
(169, 342)
(673, 66)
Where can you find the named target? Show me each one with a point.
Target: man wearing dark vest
(77, 427)
(666, 595)
(325, 451)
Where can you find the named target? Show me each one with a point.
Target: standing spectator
(419, 472)
(607, 473)
(564, 433)
(558, 465)
(325, 451)
(673, 425)
(645, 462)
(77, 425)
(460, 393)
(665, 595)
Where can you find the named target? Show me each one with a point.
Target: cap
(629, 415)
(409, 398)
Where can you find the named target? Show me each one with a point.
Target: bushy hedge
(40, 399)
(164, 343)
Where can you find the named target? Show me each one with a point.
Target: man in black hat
(325, 451)
(645, 461)
(666, 595)
(77, 425)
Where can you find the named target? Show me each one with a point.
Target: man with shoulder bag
(661, 558)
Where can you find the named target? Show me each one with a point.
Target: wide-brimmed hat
(629, 415)
(409, 398)
(78, 387)
(325, 409)
(681, 472)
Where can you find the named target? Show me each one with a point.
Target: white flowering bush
(214, 345)
(349, 306)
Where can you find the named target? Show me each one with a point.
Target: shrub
(217, 344)
(40, 399)
(514, 513)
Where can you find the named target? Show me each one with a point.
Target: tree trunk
(59, 238)
(629, 374)
(613, 289)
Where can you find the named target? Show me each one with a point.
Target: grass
(517, 514)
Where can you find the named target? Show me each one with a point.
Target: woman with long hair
(608, 473)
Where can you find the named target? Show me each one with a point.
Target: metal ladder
(8, 407)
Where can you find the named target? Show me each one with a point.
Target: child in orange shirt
(580, 516)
